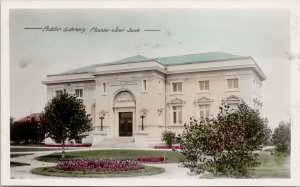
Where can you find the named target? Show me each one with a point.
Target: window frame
(177, 114)
(175, 103)
(144, 85)
(79, 88)
(204, 110)
(227, 89)
(172, 90)
(56, 90)
(233, 106)
(104, 88)
(203, 101)
(198, 85)
(233, 100)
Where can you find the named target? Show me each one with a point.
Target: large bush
(224, 145)
(282, 137)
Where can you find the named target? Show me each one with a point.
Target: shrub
(168, 137)
(282, 138)
(150, 159)
(99, 165)
(224, 145)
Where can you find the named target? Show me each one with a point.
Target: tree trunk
(63, 150)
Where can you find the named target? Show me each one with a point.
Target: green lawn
(27, 145)
(52, 171)
(14, 164)
(130, 154)
(272, 166)
(16, 155)
(29, 149)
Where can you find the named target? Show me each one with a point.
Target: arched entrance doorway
(124, 108)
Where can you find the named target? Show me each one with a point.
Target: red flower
(103, 165)
(150, 159)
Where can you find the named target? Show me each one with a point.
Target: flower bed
(150, 159)
(68, 145)
(168, 147)
(98, 165)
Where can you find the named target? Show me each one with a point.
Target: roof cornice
(131, 70)
(259, 71)
(211, 69)
(68, 81)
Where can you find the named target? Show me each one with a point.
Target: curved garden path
(23, 172)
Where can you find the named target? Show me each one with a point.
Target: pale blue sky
(262, 34)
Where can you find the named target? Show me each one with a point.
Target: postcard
(145, 93)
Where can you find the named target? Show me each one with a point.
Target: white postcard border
(293, 6)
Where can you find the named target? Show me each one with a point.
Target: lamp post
(143, 113)
(101, 127)
(101, 114)
(142, 116)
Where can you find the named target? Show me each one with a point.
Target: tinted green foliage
(224, 145)
(282, 138)
(64, 118)
(15, 164)
(168, 137)
(52, 171)
(25, 132)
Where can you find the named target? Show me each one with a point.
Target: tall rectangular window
(177, 87)
(204, 111)
(104, 87)
(144, 85)
(203, 85)
(79, 92)
(177, 114)
(233, 83)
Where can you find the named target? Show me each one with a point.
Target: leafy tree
(40, 132)
(282, 137)
(168, 137)
(16, 133)
(64, 118)
(25, 131)
(224, 145)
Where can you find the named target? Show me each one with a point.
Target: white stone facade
(166, 95)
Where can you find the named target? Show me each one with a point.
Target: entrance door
(125, 123)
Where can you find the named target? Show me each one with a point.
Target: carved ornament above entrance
(176, 102)
(124, 96)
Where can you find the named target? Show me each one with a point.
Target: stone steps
(116, 143)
